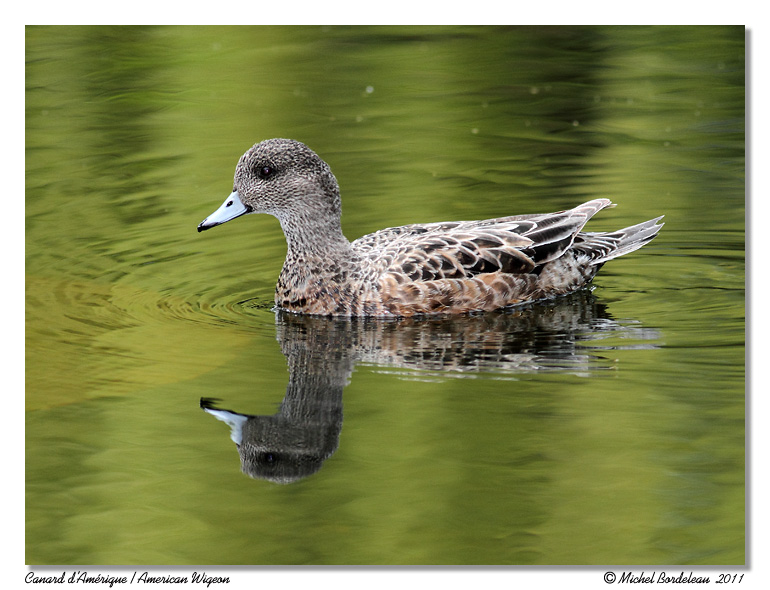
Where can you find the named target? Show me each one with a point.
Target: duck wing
(464, 249)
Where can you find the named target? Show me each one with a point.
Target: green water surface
(606, 428)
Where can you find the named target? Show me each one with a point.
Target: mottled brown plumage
(446, 267)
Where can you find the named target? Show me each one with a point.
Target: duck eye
(265, 172)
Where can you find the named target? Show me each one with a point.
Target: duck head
(281, 177)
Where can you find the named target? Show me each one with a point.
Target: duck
(449, 267)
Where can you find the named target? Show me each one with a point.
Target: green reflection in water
(634, 455)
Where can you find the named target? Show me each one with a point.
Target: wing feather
(464, 249)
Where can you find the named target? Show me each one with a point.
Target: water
(604, 428)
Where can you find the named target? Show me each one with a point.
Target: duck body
(433, 268)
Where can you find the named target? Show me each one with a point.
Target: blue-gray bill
(232, 207)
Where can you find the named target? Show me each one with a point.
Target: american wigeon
(432, 268)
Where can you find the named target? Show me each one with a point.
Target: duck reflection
(564, 335)
(294, 443)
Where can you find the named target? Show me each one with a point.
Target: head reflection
(289, 445)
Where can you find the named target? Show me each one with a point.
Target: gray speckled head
(284, 178)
